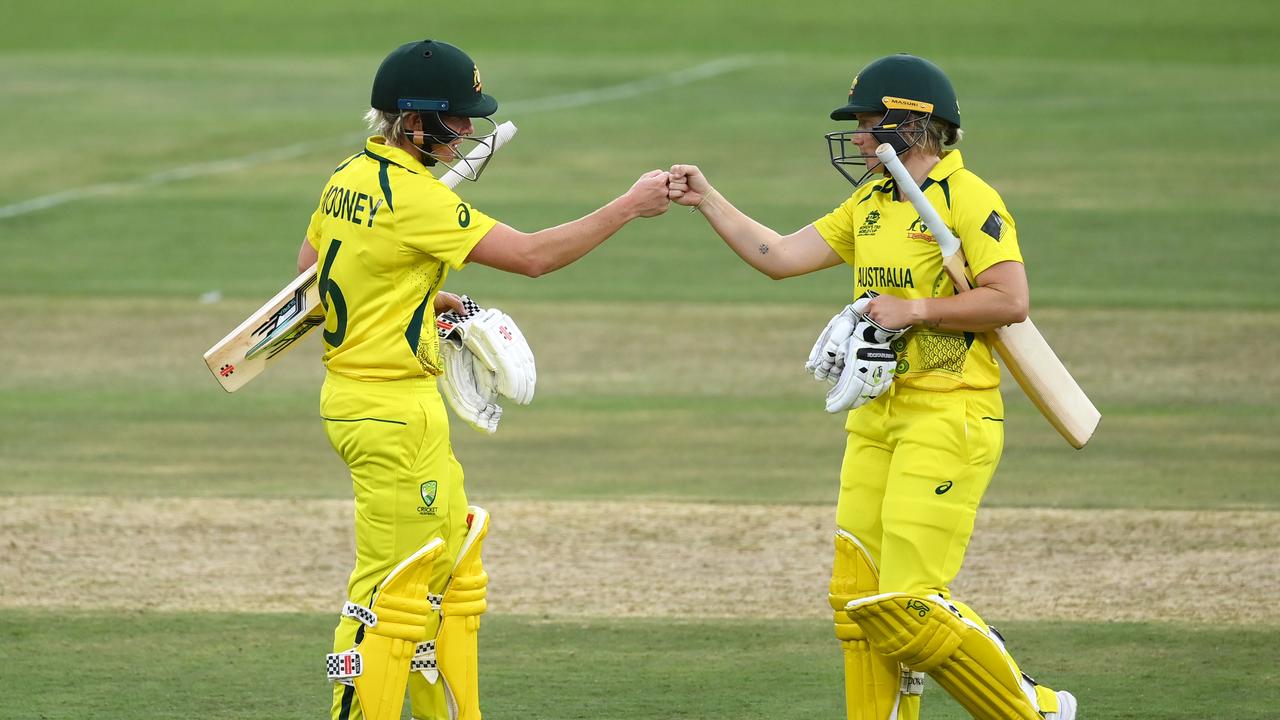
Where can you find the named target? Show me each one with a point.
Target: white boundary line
(565, 101)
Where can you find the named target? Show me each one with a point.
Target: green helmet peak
(901, 82)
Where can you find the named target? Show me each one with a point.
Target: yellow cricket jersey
(893, 252)
(386, 233)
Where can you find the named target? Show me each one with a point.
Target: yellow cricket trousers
(916, 466)
(394, 437)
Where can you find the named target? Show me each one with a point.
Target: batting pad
(876, 686)
(924, 634)
(393, 627)
(457, 651)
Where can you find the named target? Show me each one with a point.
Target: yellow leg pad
(387, 646)
(457, 651)
(1046, 698)
(924, 634)
(873, 681)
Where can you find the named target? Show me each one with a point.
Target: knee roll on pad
(927, 635)
(465, 599)
(877, 687)
(378, 666)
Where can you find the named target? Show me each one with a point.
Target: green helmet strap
(435, 105)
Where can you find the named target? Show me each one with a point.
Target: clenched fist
(688, 185)
(648, 196)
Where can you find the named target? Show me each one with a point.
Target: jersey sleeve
(313, 228)
(440, 224)
(987, 232)
(837, 228)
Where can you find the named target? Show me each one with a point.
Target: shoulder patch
(994, 226)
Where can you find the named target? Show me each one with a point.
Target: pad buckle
(424, 661)
(344, 667)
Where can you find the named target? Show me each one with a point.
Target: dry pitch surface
(629, 558)
(622, 559)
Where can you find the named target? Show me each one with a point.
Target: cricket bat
(295, 311)
(1026, 354)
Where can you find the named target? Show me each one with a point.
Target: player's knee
(921, 633)
(853, 576)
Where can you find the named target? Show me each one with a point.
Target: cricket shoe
(1066, 707)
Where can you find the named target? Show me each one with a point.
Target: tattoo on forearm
(764, 248)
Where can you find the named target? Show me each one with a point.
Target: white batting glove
(855, 354)
(869, 365)
(466, 384)
(469, 387)
(826, 359)
(496, 340)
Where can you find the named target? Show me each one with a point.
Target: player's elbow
(779, 271)
(535, 264)
(1018, 309)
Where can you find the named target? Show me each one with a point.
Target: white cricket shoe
(1066, 707)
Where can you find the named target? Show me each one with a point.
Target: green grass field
(162, 159)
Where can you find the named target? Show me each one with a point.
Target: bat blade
(1047, 382)
(1025, 352)
(295, 311)
(269, 331)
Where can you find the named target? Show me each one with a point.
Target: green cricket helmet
(903, 89)
(434, 76)
(433, 79)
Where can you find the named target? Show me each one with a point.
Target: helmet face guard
(462, 157)
(902, 128)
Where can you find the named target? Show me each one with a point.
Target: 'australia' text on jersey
(884, 277)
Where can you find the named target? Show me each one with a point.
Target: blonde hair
(387, 124)
(939, 133)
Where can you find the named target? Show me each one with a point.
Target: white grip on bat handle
(947, 242)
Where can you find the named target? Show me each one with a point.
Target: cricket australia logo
(870, 224)
(919, 231)
(428, 492)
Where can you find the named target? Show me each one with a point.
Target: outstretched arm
(778, 256)
(538, 253)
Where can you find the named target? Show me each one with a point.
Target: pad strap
(424, 661)
(360, 614)
(344, 667)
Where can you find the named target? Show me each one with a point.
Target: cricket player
(911, 363)
(386, 234)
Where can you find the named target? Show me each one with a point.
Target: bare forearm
(306, 256)
(757, 245)
(979, 310)
(559, 246)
